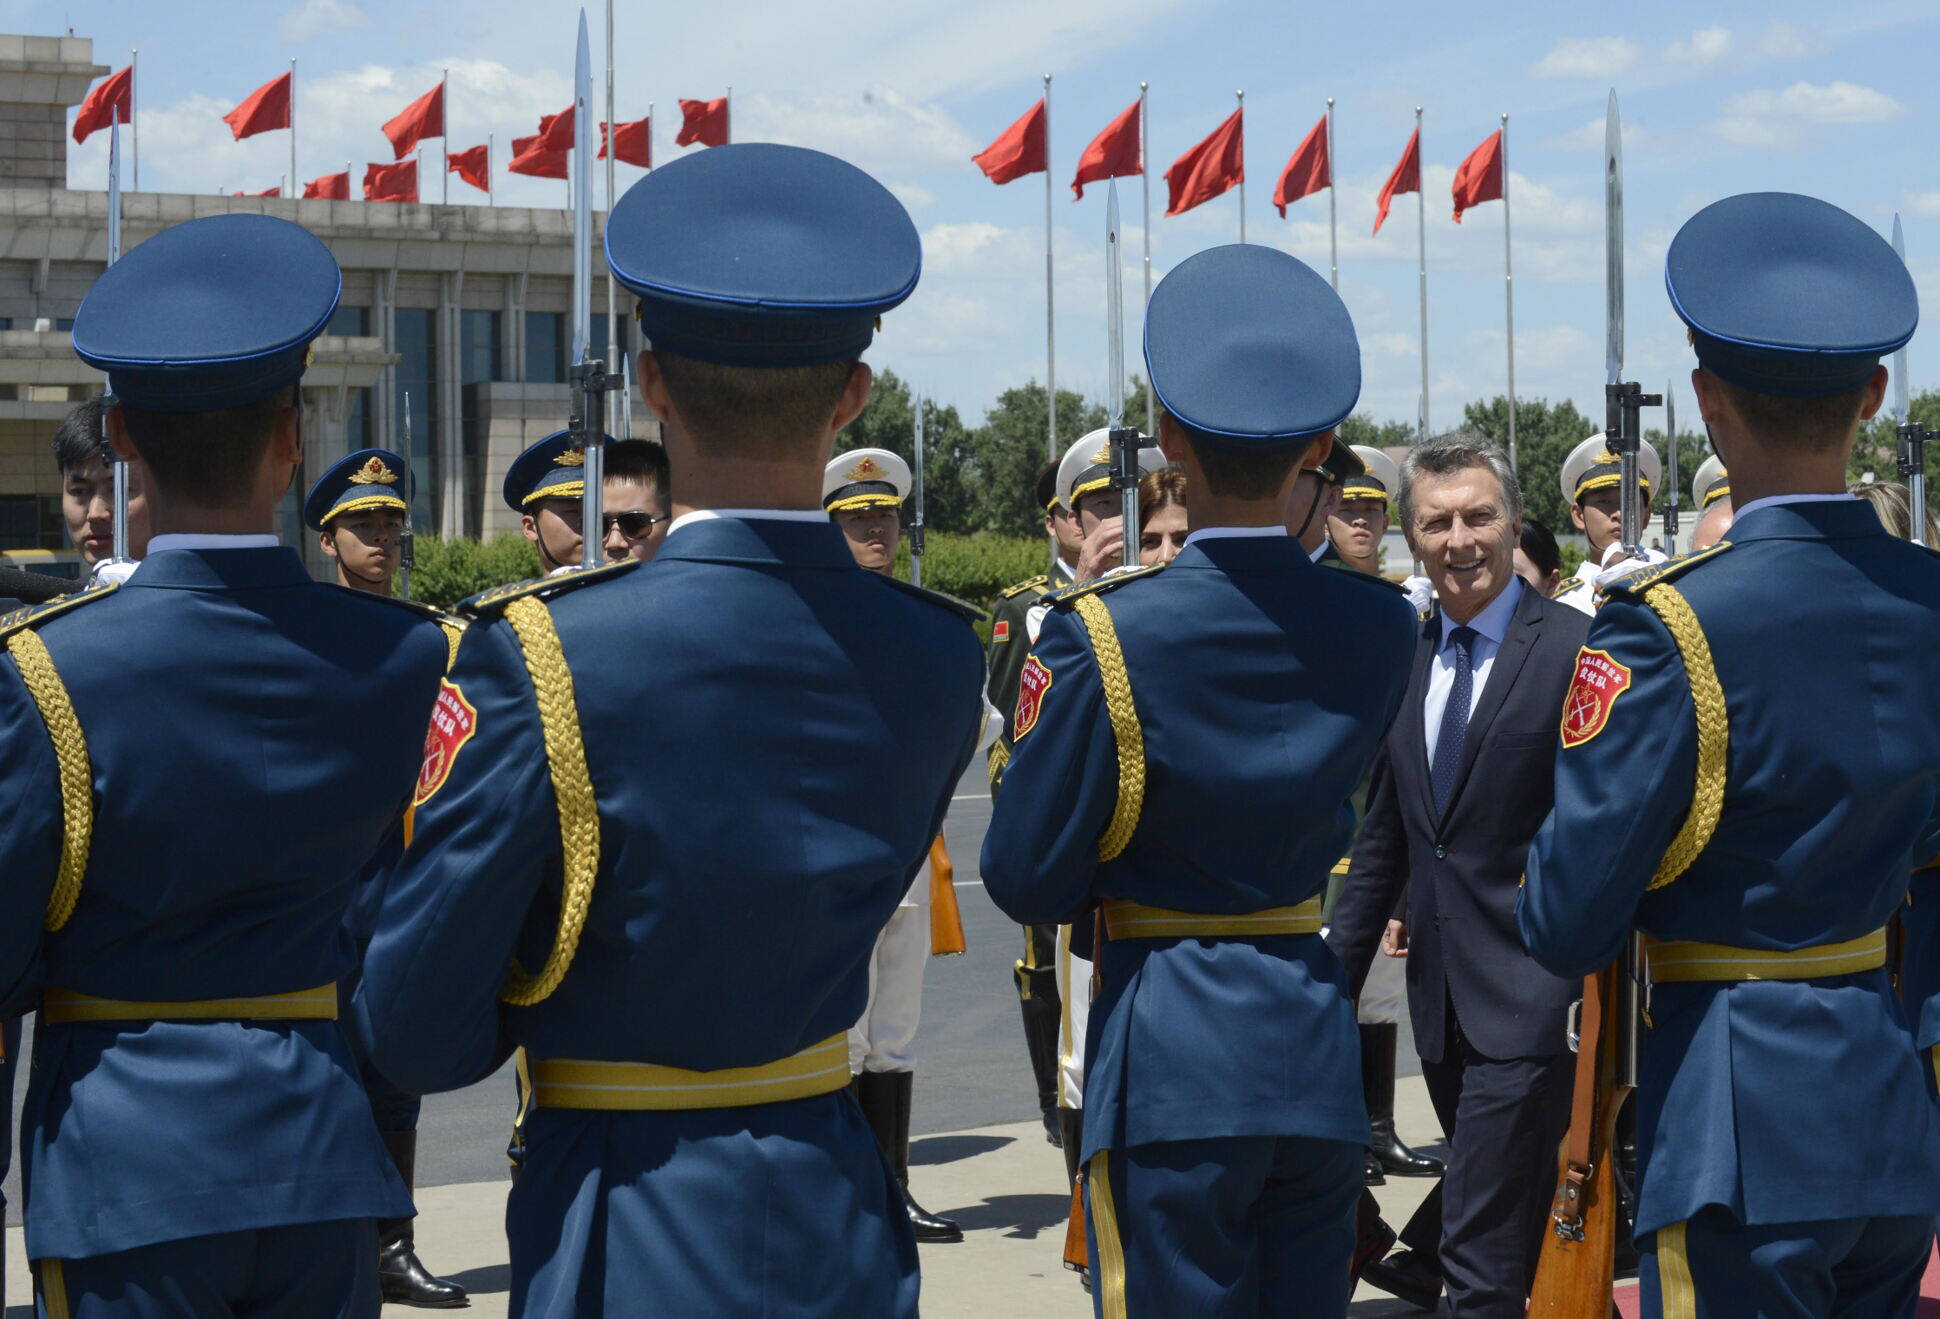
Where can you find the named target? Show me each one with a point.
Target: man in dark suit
(1461, 785)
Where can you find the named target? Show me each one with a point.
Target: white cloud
(1706, 46)
(1587, 57)
(1588, 137)
(1773, 118)
(1926, 205)
(879, 129)
(320, 18)
(1783, 41)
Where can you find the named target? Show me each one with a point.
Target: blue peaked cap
(1789, 295)
(1249, 348)
(554, 468)
(762, 255)
(210, 314)
(366, 478)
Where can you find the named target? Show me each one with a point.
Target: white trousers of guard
(884, 1040)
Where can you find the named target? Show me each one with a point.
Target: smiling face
(1356, 529)
(873, 534)
(1464, 537)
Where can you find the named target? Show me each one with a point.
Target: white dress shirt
(1491, 626)
(750, 515)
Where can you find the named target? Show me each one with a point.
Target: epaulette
(489, 604)
(1109, 582)
(949, 602)
(34, 615)
(1636, 583)
(418, 607)
(1039, 583)
(1565, 586)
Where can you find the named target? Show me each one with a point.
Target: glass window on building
(478, 350)
(357, 421)
(348, 322)
(545, 347)
(417, 349)
(31, 522)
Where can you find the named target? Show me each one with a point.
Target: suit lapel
(1516, 645)
(1411, 727)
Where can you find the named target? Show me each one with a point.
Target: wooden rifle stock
(946, 919)
(1576, 1269)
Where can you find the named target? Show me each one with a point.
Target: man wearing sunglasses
(636, 499)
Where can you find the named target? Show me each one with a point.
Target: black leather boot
(885, 1098)
(1071, 1121)
(1037, 996)
(1377, 1084)
(404, 1280)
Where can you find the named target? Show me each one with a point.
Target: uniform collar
(208, 568)
(806, 542)
(1244, 553)
(748, 514)
(1794, 518)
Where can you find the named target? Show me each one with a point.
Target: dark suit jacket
(1460, 873)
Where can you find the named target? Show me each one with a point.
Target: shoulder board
(490, 604)
(1040, 583)
(34, 615)
(1636, 583)
(418, 607)
(960, 607)
(1375, 579)
(1567, 585)
(1098, 585)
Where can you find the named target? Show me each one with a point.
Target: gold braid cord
(1713, 732)
(1117, 682)
(454, 633)
(71, 758)
(572, 787)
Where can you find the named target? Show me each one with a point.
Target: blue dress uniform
(1750, 767)
(1188, 743)
(682, 799)
(186, 822)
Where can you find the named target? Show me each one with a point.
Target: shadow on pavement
(482, 1282)
(931, 1150)
(1023, 1216)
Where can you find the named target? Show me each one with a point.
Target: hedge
(449, 570)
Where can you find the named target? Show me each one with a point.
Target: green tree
(1358, 429)
(1545, 434)
(1878, 448)
(888, 421)
(1007, 451)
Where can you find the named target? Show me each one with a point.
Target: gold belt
(1681, 960)
(819, 1069)
(1131, 920)
(60, 1006)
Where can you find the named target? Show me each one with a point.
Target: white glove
(1420, 592)
(109, 571)
(1618, 564)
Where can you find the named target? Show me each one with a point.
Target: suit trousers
(1714, 1267)
(1504, 1119)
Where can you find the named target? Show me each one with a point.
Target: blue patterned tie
(1448, 746)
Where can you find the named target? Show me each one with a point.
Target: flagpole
(1241, 94)
(292, 118)
(1145, 186)
(1509, 295)
(1421, 243)
(1050, 318)
(444, 94)
(1333, 236)
(134, 132)
(491, 197)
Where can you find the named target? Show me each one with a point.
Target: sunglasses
(632, 525)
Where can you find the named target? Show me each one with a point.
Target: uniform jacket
(1460, 871)
(1262, 684)
(1010, 642)
(1779, 1100)
(251, 735)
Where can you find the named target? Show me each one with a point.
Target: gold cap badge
(1103, 455)
(866, 470)
(572, 458)
(373, 472)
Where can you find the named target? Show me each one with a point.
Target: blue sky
(1717, 99)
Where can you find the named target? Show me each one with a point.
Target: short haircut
(211, 457)
(1457, 451)
(1895, 508)
(1157, 489)
(1047, 486)
(1241, 473)
(77, 440)
(754, 411)
(1796, 423)
(1539, 543)
(637, 460)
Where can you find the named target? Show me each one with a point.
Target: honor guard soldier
(1589, 480)
(1769, 707)
(187, 819)
(1356, 527)
(357, 509)
(1316, 496)
(1188, 741)
(1013, 629)
(681, 801)
(1711, 493)
(863, 490)
(544, 486)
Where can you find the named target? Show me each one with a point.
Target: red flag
(331, 187)
(529, 156)
(1210, 168)
(634, 143)
(117, 93)
(1480, 177)
(267, 109)
(1309, 170)
(705, 122)
(391, 183)
(1114, 153)
(1406, 177)
(556, 130)
(473, 166)
(424, 117)
(266, 192)
(1019, 151)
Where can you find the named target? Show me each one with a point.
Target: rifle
(1675, 494)
(118, 553)
(590, 379)
(1577, 1264)
(916, 528)
(407, 557)
(1124, 440)
(1913, 436)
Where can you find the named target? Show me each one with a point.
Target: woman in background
(1161, 516)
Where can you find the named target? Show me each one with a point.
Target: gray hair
(1457, 451)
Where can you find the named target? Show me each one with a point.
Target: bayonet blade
(1114, 313)
(1901, 403)
(582, 196)
(114, 186)
(1613, 241)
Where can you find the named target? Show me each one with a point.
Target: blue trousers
(303, 1271)
(1251, 1226)
(1714, 1267)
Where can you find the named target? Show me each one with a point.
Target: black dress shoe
(405, 1281)
(1397, 1158)
(928, 1226)
(1052, 1136)
(1410, 1274)
(1371, 1173)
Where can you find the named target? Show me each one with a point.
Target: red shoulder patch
(1000, 630)
(1599, 681)
(1032, 683)
(453, 721)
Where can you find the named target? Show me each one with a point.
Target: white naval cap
(1381, 480)
(1711, 483)
(1591, 466)
(864, 478)
(1086, 466)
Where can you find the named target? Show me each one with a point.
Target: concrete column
(451, 449)
(515, 288)
(384, 434)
